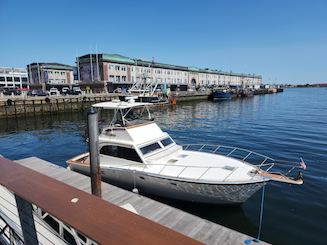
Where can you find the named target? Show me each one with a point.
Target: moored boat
(136, 153)
(221, 94)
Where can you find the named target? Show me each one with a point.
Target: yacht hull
(161, 186)
(220, 95)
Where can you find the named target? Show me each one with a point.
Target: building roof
(117, 58)
(55, 66)
(12, 70)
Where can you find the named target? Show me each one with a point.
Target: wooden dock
(16, 106)
(190, 225)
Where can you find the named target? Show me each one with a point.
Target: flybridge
(117, 104)
(124, 113)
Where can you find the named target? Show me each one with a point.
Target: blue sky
(284, 41)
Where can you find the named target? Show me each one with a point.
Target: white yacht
(136, 153)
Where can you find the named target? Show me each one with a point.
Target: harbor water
(284, 126)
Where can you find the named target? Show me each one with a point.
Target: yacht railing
(260, 161)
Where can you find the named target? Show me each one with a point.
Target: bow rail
(272, 168)
(254, 158)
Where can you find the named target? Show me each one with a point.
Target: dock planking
(173, 218)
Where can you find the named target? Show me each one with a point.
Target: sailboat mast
(97, 62)
(30, 80)
(91, 64)
(78, 71)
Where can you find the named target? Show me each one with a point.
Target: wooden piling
(15, 108)
(24, 105)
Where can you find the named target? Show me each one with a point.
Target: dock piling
(92, 117)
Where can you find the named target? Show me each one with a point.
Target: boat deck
(175, 219)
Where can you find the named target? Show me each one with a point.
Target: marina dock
(16, 106)
(179, 221)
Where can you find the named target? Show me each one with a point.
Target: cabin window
(150, 148)
(166, 141)
(120, 152)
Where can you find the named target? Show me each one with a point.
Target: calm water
(288, 125)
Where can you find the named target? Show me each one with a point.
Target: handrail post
(92, 120)
(26, 218)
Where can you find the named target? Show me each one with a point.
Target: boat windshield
(156, 145)
(167, 141)
(150, 148)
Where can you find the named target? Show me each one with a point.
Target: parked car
(76, 91)
(11, 90)
(36, 92)
(54, 91)
(65, 91)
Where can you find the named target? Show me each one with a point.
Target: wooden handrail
(93, 217)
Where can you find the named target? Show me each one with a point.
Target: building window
(111, 78)
(16, 79)
(117, 78)
(117, 68)
(123, 78)
(111, 67)
(9, 79)
(123, 68)
(2, 79)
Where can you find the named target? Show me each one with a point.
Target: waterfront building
(50, 74)
(122, 71)
(13, 77)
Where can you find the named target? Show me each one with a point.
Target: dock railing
(90, 219)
